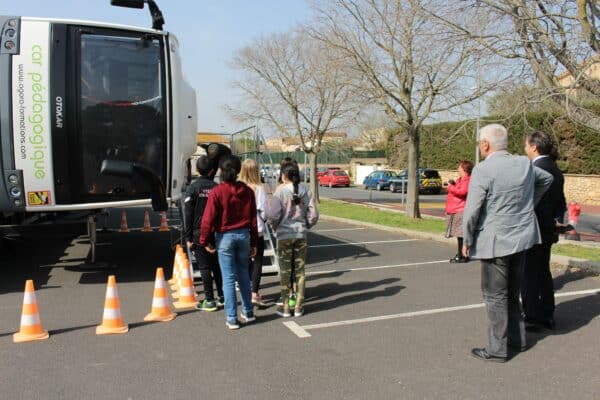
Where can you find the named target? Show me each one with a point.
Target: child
(231, 214)
(250, 176)
(292, 212)
(194, 204)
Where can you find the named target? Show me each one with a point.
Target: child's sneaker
(279, 301)
(283, 312)
(249, 317)
(207, 305)
(299, 311)
(232, 325)
(221, 302)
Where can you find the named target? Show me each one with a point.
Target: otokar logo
(58, 112)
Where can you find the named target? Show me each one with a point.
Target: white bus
(92, 116)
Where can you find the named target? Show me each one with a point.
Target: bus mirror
(128, 3)
(116, 168)
(127, 169)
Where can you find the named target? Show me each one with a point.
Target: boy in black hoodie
(194, 205)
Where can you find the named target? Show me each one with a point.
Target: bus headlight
(13, 179)
(15, 192)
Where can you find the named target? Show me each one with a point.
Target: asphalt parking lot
(387, 317)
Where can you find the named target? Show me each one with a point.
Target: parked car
(334, 177)
(379, 180)
(429, 181)
(323, 170)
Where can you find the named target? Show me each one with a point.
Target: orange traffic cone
(124, 228)
(31, 327)
(173, 279)
(147, 227)
(187, 295)
(176, 272)
(160, 304)
(164, 226)
(112, 322)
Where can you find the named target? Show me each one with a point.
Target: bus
(93, 115)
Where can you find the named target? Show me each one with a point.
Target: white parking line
(377, 267)
(357, 243)
(336, 230)
(302, 331)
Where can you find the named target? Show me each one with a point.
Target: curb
(564, 261)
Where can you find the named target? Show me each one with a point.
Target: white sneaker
(248, 318)
(232, 325)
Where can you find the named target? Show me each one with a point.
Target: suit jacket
(553, 205)
(499, 218)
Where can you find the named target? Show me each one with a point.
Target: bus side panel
(31, 114)
(184, 126)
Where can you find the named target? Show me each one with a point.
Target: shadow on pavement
(65, 330)
(570, 276)
(335, 251)
(31, 250)
(570, 316)
(315, 294)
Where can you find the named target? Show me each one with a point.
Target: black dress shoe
(482, 354)
(456, 259)
(459, 259)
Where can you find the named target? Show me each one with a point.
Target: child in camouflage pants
(291, 213)
(292, 252)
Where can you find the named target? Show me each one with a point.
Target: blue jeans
(233, 249)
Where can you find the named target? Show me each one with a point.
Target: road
(433, 205)
(387, 317)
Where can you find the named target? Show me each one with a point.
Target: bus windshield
(122, 113)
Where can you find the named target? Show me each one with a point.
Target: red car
(323, 170)
(334, 177)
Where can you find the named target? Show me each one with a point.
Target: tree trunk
(314, 184)
(412, 198)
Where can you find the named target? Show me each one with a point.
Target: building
(591, 68)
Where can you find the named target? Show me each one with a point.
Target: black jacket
(194, 203)
(553, 205)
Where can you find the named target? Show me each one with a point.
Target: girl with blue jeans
(231, 214)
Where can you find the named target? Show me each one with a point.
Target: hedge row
(443, 145)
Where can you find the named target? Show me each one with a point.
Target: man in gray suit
(499, 224)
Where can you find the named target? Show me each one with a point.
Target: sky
(209, 32)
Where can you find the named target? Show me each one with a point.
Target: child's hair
(292, 173)
(230, 168)
(203, 165)
(249, 173)
(282, 164)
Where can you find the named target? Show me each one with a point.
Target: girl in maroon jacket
(455, 205)
(231, 214)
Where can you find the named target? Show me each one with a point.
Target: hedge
(443, 145)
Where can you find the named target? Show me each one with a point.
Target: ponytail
(292, 173)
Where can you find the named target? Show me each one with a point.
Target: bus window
(122, 112)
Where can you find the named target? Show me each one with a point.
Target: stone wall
(584, 189)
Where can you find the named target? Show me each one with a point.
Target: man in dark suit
(537, 289)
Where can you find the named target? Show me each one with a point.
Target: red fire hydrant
(574, 210)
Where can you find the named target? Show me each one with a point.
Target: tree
(554, 39)
(296, 85)
(412, 65)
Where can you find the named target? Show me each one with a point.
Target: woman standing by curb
(455, 205)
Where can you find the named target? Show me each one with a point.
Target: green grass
(388, 218)
(571, 250)
(374, 216)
